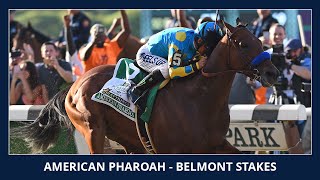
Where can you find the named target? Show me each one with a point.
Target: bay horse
(33, 37)
(190, 114)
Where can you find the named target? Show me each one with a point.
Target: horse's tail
(44, 131)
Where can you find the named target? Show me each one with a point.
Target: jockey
(173, 53)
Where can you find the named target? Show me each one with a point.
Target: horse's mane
(240, 23)
(40, 37)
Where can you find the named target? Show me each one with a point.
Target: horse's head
(28, 35)
(24, 35)
(243, 53)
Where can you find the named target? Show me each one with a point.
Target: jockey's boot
(136, 92)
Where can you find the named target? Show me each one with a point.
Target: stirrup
(138, 102)
(135, 94)
(132, 96)
(136, 97)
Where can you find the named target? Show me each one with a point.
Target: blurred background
(147, 22)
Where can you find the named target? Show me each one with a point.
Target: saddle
(115, 94)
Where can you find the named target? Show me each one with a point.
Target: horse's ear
(29, 25)
(229, 27)
(240, 23)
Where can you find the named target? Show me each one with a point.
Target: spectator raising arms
(179, 19)
(72, 55)
(80, 27)
(28, 87)
(102, 50)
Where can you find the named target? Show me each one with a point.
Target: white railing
(252, 127)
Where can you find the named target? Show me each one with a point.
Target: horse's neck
(202, 91)
(217, 88)
(36, 46)
(222, 82)
(41, 38)
(218, 60)
(206, 92)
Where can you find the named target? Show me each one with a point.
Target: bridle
(250, 66)
(22, 37)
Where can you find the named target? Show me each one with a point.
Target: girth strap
(144, 136)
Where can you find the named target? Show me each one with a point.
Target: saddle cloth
(114, 92)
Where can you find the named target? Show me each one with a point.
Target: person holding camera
(299, 61)
(15, 57)
(25, 85)
(277, 34)
(54, 73)
(282, 88)
(283, 92)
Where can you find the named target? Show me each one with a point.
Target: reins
(229, 43)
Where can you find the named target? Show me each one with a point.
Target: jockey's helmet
(210, 34)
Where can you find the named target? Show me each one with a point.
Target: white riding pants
(149, 62)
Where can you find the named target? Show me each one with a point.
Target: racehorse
(33, 37)
(190, 114)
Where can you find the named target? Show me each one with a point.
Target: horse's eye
(243, 45)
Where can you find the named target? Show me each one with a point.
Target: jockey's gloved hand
(196, 57)
(202, 62)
